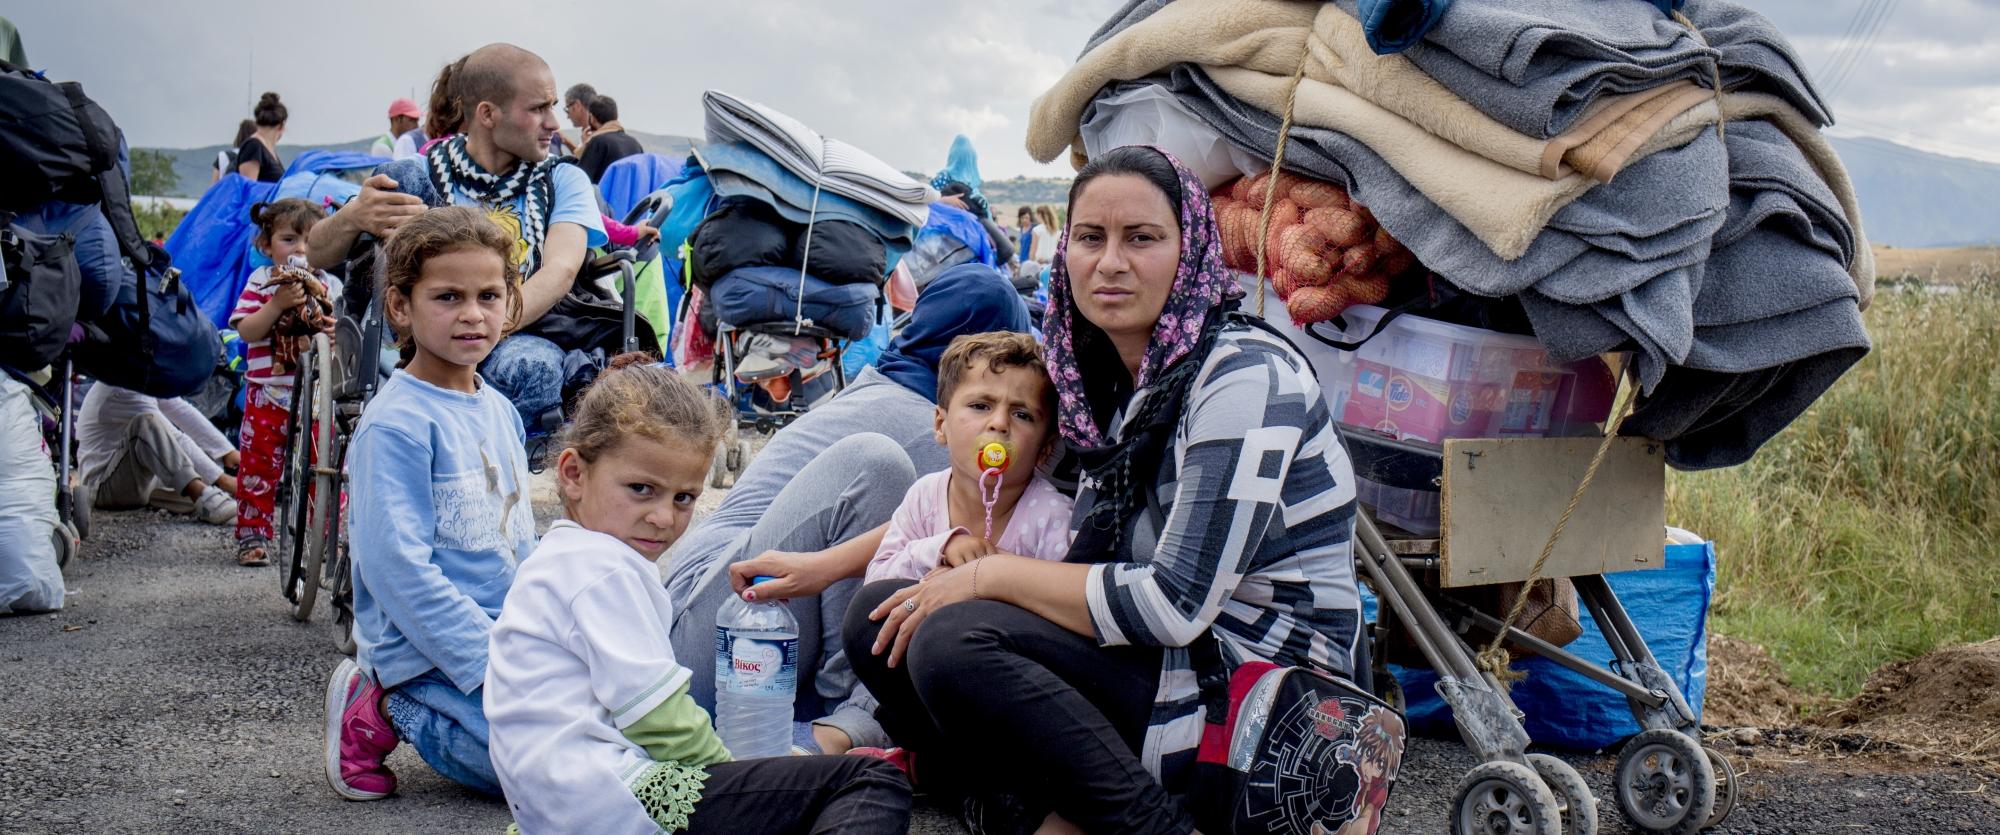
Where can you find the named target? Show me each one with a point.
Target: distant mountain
(195, 166)
(1916, 198)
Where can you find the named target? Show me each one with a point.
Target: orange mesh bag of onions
(1324, 251)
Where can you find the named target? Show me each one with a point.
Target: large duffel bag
(759, 295)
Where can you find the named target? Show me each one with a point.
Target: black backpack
(54, 141)
(38, 297)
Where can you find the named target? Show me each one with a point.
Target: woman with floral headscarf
(1216, 505)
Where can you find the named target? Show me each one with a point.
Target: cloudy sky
(896, 77)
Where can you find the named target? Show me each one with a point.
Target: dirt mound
(1947, 703)
(1746, 689)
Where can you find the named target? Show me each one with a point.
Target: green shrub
(1865, 532)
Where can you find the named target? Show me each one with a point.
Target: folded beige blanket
(1272, 35)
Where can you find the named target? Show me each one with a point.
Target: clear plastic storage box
(1425, 380)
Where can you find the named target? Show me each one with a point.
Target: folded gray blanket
(1538, 65)
(1773, 310)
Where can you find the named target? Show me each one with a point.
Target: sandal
(251, 556)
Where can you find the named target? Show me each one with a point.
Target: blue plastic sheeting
(213, 246)
(1565, 710)
(963, 225)
(861, 353)
(629, 180)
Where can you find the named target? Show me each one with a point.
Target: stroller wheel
(1665, 783)
(1579, 806)
(1504, 798)
(1725, 788)
(65, 539)
(718, 469)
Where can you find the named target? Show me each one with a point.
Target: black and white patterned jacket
(1250, 532)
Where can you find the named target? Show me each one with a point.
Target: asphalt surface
(175, 694)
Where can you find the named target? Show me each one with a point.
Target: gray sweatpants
(850, 489)
(152, 457)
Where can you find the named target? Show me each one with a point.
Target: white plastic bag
(1149, 115)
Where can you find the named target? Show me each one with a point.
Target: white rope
(805, 260)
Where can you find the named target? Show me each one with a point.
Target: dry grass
(1939, 265)
(1865, 533)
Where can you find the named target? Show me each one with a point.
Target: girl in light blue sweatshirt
(438, 514)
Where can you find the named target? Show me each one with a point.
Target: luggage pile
(1604, 177)
(797, 239)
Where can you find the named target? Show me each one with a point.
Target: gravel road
(174, 694)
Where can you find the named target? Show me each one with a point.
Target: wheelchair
(338, 376)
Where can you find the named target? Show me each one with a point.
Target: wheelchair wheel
(289, 531)
(321, 526)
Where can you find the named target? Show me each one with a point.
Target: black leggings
(995, 698)
(849, 794)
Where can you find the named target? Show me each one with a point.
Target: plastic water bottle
(756, 676)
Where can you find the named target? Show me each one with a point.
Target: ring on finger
(910, 606)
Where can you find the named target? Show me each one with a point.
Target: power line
(1861, 52)
(1846, 40)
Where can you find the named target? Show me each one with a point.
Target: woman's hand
(792, 575)
(646, 232)
(906, 609)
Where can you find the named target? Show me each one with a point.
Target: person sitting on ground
(225, 159)
(406, 133)
(257, 157)
(811, 509)
(504, 98)
(992, 389)
(576, 105)
(608, 141)
(135, 450)
(271, 360)
(439, 514)
(592, 726)
(1217, 504)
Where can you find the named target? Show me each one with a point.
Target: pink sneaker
(358, 736)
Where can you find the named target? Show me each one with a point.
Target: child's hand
(288, 297)
(964, 548)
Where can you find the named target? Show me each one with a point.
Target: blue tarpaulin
(629, 180)
(213, 244)
(1565, 710)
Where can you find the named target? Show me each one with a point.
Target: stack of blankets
(801, 228)
(1638, 182)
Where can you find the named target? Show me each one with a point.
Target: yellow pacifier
(993, 456)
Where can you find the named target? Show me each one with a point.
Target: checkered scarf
(453, 171)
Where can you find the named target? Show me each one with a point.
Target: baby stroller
(1508, 493)
(338, 375)
(778, 332)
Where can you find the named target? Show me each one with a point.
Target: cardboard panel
(1503, 497)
